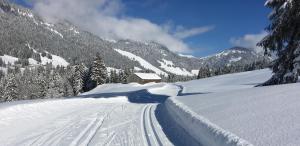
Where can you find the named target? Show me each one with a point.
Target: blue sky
(231, 18)
(228, 20)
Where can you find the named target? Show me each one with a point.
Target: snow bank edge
(201, 129)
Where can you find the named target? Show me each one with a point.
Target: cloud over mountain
(249, 41)
(105, 18)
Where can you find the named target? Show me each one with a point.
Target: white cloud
(104, 18)
(183, 33)
(249, 41)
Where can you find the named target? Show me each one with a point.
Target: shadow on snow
(187, 94)
(176, 134)
(140, 96)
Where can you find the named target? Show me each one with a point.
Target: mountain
(25, 35)
(234, 56)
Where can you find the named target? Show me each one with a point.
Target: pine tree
(283, 40)
(98, 71)
(1, 89)
(56, 86)
(77, 79)
(1, 74)
(127, 73)
(11, 88)
(204, 72)
(42, 85)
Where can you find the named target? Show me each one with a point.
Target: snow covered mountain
(25, 35)
(234, 56)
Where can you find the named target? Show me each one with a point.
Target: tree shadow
(140, 96)
(254, 84)
(180, 93)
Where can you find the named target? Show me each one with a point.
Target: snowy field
(236, 113)
(219, 111)
(85, 120)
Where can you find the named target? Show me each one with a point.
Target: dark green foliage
(204, 72)
(283, 40)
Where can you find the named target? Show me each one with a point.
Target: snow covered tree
(1, 74)
(127, 73)
(283, 40)
(204, 72)
(1, 89)
(77, 79)
(98, 71)
(56, 86)
(11, 92)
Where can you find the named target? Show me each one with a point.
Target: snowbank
(201, 129)
(219, 110)
(262, 115)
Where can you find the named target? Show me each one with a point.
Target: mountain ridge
(21, 28)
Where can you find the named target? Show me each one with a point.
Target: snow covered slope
(228, 110)
(55, 60)
(142, 62)
(234, 56)
(170, 67)
(9, 59)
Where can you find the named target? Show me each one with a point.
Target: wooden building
(143, 78)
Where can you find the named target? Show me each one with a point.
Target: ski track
(126, 124)
(151, 137)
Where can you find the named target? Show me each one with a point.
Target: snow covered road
(80, 121)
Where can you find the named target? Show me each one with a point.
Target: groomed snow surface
(219, 111)
(228, 110)
(104, 116)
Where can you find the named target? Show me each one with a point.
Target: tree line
(207, 71)
(46, 81)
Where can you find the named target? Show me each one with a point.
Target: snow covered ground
(219, 111)
(91, 119)
(228, 110)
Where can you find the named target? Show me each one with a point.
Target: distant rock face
(21, 28)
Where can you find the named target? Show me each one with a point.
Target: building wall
(134, 78)
(149, 81)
